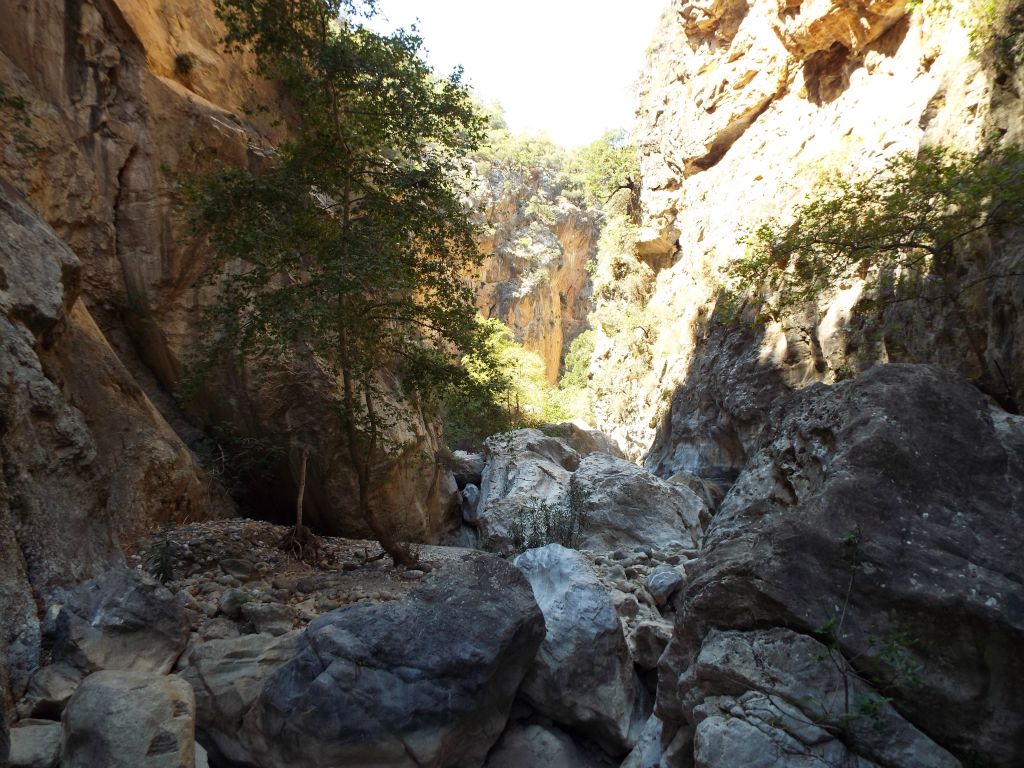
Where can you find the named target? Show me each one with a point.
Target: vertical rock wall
(536, 245)
(743, 105)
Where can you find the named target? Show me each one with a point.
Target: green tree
(350, 249)
(606, 173)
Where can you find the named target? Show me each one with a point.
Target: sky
(561, 67)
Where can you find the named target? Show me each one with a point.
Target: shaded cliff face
(536, 246)
(743, 106)
(121, 98)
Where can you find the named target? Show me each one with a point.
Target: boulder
(35, 744)
(648, 641)
(269, 618)
(129, 720)
(583, 440)
(122, 621)
(886, 510)
(467, 468)
(647, 752)
(627, 505)
(49, 689)
(801, 698)
(583, 677)
(537, 746)
(427, 680)
(470, 504)
(231, 603)
(663, 582)
(524, 468)
(227, 677)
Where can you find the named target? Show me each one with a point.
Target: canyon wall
(743, 106)
(122, 100)
(105, 106)
(536, 246)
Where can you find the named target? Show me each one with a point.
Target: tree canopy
(351, 247)
(902, 223)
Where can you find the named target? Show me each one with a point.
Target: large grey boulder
(129, 720)
(582, 440)
(627, 505)
(777, 695)
(647, 752)
(524, 468)
(887, 510)
(467, 468)
(624, 505)
(427, 680)
(583, 677)
(119, 621)
(227, 677)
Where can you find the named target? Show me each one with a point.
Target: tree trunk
(302, 489)
(361, 462)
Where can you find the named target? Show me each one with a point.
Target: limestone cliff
(120, 99)
(536, 245)
(105, 103)
(743, 104)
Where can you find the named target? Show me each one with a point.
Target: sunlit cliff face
(745, 104)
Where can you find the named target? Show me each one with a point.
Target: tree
(902, 228)
(350, 249)
(606, 167)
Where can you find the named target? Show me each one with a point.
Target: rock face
(427, 680)
(536, 247)
(624, 504)
(119, 621)
(760, 698)
(130, 720)
(583, 676)
(886, 512)
(227, 677)
(121, 99)
(35, 744)
(538, 747)
(743, 106)
(627, 505)
(86, 456)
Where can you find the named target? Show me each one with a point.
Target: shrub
(184, 64)
(902, 224)
(542, 523)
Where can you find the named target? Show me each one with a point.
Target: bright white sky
(561, 67)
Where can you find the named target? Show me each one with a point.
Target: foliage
(523, 154)
(159, 555)
(506, 389)
(230, 457)
(542, 523)
(16, 121)
(184, 64)
(349, 250)
(577, 361)
(603, 169)
(996, 30)
(899, 227)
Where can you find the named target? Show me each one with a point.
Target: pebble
(413, 574)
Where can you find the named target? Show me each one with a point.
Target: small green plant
(542, 523)
(158, 558)
(184, 64)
